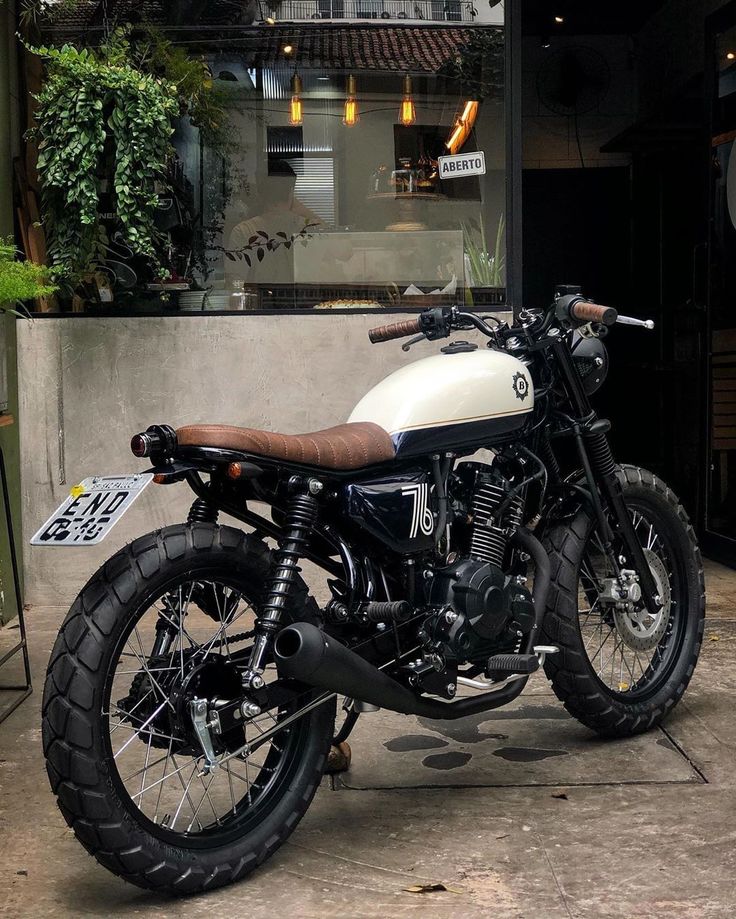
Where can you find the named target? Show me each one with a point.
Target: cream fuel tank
(463, 398)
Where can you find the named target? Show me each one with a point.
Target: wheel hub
(638, 628)
(215, 677)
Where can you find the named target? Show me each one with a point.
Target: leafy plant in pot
(95, 103)
(20, 280)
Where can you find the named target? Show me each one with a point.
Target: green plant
(199, 95)
(487, 269)
(261, 243)
(89, 97)
(33, 13)
(478, 67)
(20, 281)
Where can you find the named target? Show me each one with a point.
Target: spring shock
(202, 511)
(300, 518)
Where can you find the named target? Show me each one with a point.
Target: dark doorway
(629, 237)
(720, 369)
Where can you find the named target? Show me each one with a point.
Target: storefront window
(328, 190)
(354, 159)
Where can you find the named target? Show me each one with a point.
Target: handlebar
(571, 311)
(396, 330)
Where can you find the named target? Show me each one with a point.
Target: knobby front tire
(115, 822)
(619, 672)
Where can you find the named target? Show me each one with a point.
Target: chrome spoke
(633, 657)
(159, 761)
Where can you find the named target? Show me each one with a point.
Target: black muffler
(305, 653)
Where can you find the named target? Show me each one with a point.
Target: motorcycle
(473, 527)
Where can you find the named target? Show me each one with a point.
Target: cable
(577, 138)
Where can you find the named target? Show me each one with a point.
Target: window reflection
(327, 191)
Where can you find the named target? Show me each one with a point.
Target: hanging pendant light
(462, 127)
(351, 115)
(296, 111)
(469, 113)
(407, 109)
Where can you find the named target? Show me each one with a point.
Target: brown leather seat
(346, 446)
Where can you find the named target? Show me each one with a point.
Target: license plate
(91, 510)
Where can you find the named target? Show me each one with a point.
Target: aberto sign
(462, 164)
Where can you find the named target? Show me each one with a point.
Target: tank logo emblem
(521, 386)
(421, 518)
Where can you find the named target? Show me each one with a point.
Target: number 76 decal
(422, 519)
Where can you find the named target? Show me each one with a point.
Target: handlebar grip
(395, 330)
(583, 311)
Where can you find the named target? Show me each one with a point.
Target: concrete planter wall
(87, 385)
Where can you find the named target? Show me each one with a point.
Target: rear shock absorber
(202, 511)
(301, 515)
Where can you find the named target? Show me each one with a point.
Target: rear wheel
(620, 670)
(166, 621)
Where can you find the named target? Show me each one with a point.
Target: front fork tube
(600, 467)
(301, 516)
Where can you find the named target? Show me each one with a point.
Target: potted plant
(19, 281)
(484, 268)
(100, 117)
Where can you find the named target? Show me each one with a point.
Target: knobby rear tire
(573, 678)
(76, 755)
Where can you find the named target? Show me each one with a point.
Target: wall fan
(573, 81)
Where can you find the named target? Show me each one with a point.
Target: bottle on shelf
(237, 297)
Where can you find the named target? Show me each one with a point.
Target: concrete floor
(521, 813)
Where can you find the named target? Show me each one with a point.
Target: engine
(480, 610)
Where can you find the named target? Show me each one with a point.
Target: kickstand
(340, 754)
(346, 729)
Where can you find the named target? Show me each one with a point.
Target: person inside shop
(284, 219)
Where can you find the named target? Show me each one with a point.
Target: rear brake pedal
(503, 665)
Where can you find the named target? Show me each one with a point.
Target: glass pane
(721, 508)
(327, 192)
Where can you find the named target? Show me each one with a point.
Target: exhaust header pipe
(305, 653)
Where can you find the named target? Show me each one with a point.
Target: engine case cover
(474, 590)
(486, 607)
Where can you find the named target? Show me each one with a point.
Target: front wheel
(620, 670)
(165, 622)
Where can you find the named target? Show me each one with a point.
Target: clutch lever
(413, 341)
(642, 323)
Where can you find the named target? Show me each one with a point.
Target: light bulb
(407, 109)
(296, 111)
(351, 115)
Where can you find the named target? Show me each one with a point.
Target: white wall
(87, 385)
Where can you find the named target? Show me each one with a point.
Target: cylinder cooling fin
(488, 539)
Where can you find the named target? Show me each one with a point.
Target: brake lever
(642, 323)
(413, 341)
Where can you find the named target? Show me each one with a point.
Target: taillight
(159, 439)
(139, 445)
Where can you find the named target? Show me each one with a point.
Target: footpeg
(503, 665)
